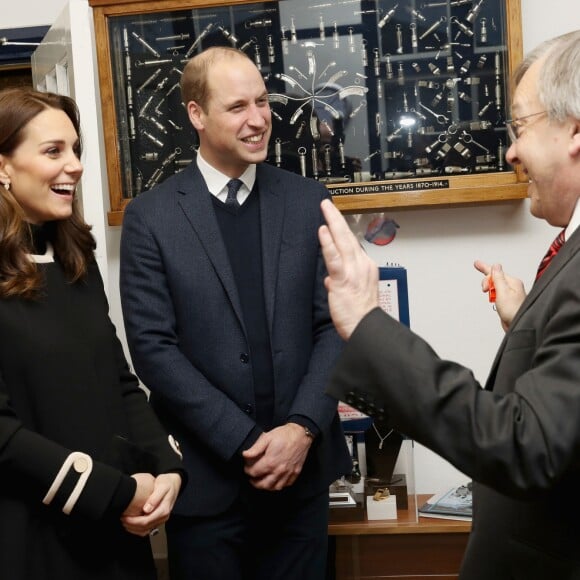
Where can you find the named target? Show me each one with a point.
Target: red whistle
(491, 290)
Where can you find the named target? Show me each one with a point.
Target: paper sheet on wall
(389, 297)
(393, 293)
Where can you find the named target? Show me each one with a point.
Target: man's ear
(195, 114)
(574, 147)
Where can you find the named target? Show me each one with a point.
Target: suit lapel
(568, 251)
(196, 202)
(272, 221)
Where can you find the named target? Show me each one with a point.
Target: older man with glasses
(519, 438)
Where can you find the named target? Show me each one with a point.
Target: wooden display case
(389, 103)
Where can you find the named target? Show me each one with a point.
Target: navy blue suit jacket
(187, 338)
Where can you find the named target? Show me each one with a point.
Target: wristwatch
(309, 433)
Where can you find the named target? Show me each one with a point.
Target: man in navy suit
(519, 438)
(228, 325)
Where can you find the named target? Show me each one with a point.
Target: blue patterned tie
(233, 187)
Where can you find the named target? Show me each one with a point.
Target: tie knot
(559, 241)
(233, 187)
(552, 251)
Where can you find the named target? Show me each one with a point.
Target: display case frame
(441, 180)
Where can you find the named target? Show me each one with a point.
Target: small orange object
(491, 290)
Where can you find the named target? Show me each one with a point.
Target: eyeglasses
(514, 126)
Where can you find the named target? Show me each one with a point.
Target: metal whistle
(387, 16)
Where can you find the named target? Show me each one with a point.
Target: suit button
(244, 358)
(248, 409)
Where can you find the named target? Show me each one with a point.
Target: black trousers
(262, 536)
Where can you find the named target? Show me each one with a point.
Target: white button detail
(79, 462)
(175, 446)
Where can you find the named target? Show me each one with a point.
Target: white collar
(45, 258)
(574, 221)
(217, 182)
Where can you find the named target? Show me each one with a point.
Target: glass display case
(389, 103)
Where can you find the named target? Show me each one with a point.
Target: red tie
(554, 249)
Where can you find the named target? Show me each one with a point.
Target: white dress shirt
(217, 182)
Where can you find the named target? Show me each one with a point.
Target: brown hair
(194, 80)
(73, 242)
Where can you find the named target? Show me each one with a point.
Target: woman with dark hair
(86, 470)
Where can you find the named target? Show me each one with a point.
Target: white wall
(30, 13)
(438, 246)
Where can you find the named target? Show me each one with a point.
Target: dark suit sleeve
(154, 342)
(311, 401)
(521, 437)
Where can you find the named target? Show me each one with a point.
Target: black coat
(65, 386)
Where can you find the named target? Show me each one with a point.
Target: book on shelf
(453, 504)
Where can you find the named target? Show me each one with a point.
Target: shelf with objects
(390, 104)
(381, 486)
(370, 539)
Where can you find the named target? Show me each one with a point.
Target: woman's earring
(6, 184)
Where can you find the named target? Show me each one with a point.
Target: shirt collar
(217, 182)
(574, 221)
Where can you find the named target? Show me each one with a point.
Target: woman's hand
(156, 508)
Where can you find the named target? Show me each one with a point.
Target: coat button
(248, 409)
(244, 358)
